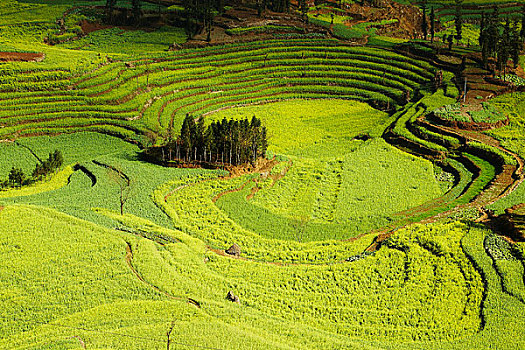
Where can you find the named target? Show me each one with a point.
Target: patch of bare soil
(21, 57)
(90, 27)
(274, 177)
(244, 17)
(511, 224)
(263, 167)
(410, 18)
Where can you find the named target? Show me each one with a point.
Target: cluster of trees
(17, 178)
(227, 141)
(199, 14)
(500, 42)
(458, 22)
(135, 10)
(274, 5)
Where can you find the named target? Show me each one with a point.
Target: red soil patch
(90, 27)
(21, 57)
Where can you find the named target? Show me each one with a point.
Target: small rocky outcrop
(234, 250)
(232, 297)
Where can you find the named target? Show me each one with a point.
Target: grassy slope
(75, 148)
(338, 186)
(423, 273)
(76, 194)
(512, 138)
(298, 309)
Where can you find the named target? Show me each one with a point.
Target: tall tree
(458, 21)
(483, 39)
(303, 8)
(493, 32)
(516, 44)
(135, 10)
(16, 177)
(187, 137)
(432, 24)
(481, 29)
(424, 25)
(124, 185)
(504, 47)
(522, 32)
(227, 141)
(199, 14)
(200, 132)
(110, 6)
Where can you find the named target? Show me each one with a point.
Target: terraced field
(356, 231)
(154, 94)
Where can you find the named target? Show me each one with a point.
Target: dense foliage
(348, 153)
(228, 141)
(17, 177)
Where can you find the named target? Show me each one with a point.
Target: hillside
(261, 175)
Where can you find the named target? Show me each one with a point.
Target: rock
(234, 250)
(232, 297)
(174, 47)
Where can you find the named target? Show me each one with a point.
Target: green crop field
(366, 223)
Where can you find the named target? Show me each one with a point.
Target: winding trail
(129, 259)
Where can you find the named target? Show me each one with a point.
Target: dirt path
(82, 343)
(129, 259)
(500, 186)
(21, 57)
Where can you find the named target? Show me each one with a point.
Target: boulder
(232, 297)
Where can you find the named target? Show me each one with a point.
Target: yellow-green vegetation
(328, 191)
(78, 147)
(116, 40)
(314, 129)
(50, 183)
(511, 137)
(346, 161)
(420, 286)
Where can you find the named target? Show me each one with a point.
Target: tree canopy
(228, 141)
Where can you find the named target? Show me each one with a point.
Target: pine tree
(186, 137)
(483, 39)
(516, 45)
(303, 7)
(227, 141)
(424, 26)
(200, 132)
(503, 49)
(16, 177)
(522, 32)
(110, 6)
(432, 24)
(458, 21)
(481, 29)
(135, 9)
(493, 32)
